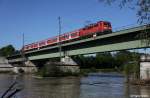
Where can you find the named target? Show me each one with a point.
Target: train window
(32, 46)
(62, 37)
(67, 36)
(55, 39)
(35, 45)
(95, 25)
(86, 27)
(42, 43)
(74, 34)
(26, 47)
(83, 28)
(49, 41)
(105, 24)
(89, 27)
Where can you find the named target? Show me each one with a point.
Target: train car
(35, 45)
(64, 37)
(31, 46)
(51, 41)
(99, 28)
(42, 44)
(75, 34)
(25, 48)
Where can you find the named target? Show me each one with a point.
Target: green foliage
(142, 7)
(101, 60)
(7, 50)
(104, 60)
(132, 71)
(49, 69)
(121, 58)
(132, 67)
(128, 68)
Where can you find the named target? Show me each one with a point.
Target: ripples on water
(96, 85)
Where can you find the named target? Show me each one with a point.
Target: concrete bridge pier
(145, 67)
(69, 65)
(28, 67)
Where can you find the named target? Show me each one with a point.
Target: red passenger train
(99, 28)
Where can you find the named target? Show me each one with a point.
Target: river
(96, 85)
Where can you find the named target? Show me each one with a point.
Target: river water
(96, 85)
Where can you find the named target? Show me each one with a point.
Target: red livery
(99, 28)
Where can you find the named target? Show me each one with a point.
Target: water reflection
(51, 87)
(103, 86)
(96, 85)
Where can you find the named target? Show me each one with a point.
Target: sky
(38, 19)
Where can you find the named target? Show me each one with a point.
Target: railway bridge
(125, 39)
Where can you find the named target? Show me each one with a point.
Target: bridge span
(120, 40)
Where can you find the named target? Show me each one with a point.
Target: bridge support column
(69, 65)
(29, 67)
(145, 67)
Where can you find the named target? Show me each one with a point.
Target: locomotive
(92, 30)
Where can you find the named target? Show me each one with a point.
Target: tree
(80, 60)
(104, 60)
(141, 6)
(122, 57)
(7, 50)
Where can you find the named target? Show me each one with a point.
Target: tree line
(8, 50)
(107, 60)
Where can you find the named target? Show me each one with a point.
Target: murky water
(96, 85)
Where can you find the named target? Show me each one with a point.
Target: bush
(49, 69)
(52, 69)
(131, 71)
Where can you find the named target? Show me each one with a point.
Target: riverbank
(85, 72)
(145, 82)
(82, 72)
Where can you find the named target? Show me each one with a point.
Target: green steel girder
(104, 48)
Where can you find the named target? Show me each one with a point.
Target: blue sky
(38, 19)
